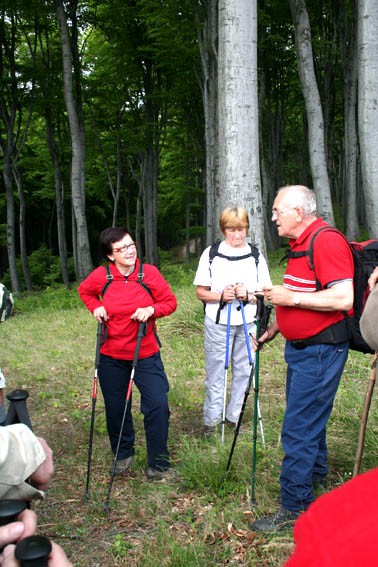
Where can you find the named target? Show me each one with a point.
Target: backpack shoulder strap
(109, 279)
(310, 251)
(255, 252)
(140, 279)
(145, 287)
(140, 276)
(214, 252)
(311, 248)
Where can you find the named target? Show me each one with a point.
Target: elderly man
(309, 314)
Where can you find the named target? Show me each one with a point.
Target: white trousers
(215, 357)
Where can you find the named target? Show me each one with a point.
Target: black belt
(333, 335)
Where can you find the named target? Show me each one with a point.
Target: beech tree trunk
(310, 90)
(208, 46)
(83, 254)
(348, 35)
(22, 226)
(368, 107)
(239, 167)
(11, 227)
(59, 197)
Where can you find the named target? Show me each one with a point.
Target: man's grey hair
(301, 196)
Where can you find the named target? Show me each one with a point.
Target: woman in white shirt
(228, 274)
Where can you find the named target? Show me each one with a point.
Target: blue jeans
(313, 376)
(152, 383)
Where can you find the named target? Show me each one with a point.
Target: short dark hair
(110, 235)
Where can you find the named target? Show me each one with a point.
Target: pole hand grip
(17, 410)
(33, 551)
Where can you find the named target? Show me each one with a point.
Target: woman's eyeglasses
(125, 248)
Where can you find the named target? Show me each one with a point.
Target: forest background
(121, 113)
(115, 112)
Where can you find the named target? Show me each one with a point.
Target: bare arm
(339, 297)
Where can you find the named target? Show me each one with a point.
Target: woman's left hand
(142, 314)
(241, 292)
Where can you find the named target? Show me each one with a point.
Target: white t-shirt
(223, 272)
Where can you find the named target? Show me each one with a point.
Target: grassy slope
(201, 520)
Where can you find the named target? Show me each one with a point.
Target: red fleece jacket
(122, 297)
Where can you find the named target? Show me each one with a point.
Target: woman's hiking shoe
(282, 520)
(209, 430)
(122, 465)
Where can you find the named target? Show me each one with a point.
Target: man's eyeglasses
(125, 247)
(277, 213)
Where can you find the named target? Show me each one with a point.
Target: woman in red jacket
(130, 298)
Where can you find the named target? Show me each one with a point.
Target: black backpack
(214, 251)
(6, 303)
(109, 279)
(365, 259)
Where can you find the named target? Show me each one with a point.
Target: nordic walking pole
(246, 394)
(252, 369)
(226, 368)
(17, 409)
(141, 333)
(365, 414)
(259, 314)
(94, 399)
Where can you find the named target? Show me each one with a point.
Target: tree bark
(314, 112)
(208, 47)
(348, 37)
(11, 226)
(84, 261)
(368, 107)
(22, 226)
(59, 198)
(239, 168)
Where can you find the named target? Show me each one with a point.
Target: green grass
(203, 519)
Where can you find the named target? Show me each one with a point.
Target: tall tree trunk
(22, 228)
(314, 112)
(266, 177)
(59, 198)
(11, 225)
(348, 40)
(368, 107)
(208, 47)
(239, 168)
(11, 107)
(149, 184)
(84, 261)
(114, 189)
(118, 176)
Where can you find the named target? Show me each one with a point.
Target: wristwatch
(297, 299)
